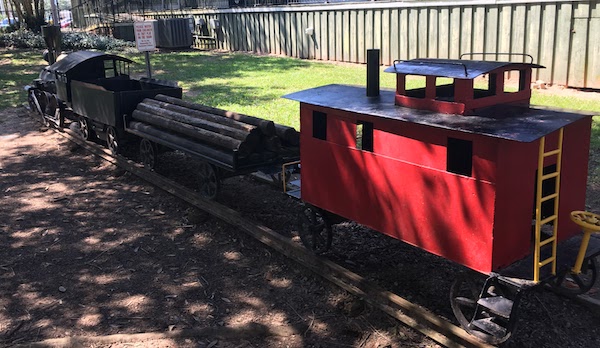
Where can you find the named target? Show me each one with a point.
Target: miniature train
(459, 167)
(96, 91)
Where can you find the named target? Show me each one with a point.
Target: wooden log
(186, 145)
(209, 137)
(271, 143)
(265, 126)
(288, 135)
(201, 114)
(251, 137)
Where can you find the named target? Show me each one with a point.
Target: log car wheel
(464, 295)
(148, 154)
(208, 180)
(315, 230)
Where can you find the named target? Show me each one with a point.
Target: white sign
(144, 36)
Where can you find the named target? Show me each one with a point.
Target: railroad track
(410, 314)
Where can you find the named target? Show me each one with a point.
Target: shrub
(22, 39)
(82, 41)
(71, 41)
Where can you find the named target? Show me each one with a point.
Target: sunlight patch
(135, 303)
(281, 282)
(88, 320)
(232, 255)
(102, 279)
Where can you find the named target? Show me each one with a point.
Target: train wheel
(84, 128)
(148, 152)
(572, 284)
(464, 295)
(33, 104)
(208, 180)
(112, 142)
(315, 230)
(38, 100)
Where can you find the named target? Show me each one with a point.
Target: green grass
(17, 69)
(244, 83)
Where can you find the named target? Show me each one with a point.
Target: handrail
(497, 53)
(430, 62)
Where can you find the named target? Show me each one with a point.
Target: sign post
(145, 40)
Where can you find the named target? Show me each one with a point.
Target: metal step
(487, 325)
(518, 282)
(497, 305)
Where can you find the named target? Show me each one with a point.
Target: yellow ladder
(540, 199)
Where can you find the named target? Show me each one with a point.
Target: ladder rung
(546, 261)
(552, 153)
(550, 176)
(549, 197)
(547, 240)
(548, 219)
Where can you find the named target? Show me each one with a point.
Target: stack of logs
(220, 135)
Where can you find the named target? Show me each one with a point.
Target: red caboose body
(458, 179)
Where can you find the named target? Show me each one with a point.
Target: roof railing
(498, 54)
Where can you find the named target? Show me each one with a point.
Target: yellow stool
(590, 223)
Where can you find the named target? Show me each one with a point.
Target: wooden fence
(564, 36)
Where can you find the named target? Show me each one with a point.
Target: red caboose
(458, 176)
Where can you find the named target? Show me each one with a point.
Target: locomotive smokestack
(372, 73)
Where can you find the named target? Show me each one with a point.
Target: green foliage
(83, 41)
(22, 39)
(71, 41)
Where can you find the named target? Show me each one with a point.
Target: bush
(22, 39)
(71, 41)
(83, 41)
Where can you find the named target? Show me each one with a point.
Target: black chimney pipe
(372, 73)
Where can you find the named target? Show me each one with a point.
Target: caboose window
(511, 75)
(459, 156)
(364, 136)
(319, 125)
(490, 86)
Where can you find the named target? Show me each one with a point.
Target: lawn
(244, 83)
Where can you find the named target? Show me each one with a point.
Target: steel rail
(410, 314)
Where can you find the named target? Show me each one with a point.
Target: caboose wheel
(572, 284)
(112, 141)
(315, 230)
(208, 180)
(464, 295)
(148, 152)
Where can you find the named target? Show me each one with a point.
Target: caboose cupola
(456, 86)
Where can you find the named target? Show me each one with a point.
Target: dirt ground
(87, 249)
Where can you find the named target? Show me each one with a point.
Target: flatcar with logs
(96, 93)
(461, 166)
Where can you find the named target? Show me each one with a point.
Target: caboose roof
(518, 123)
(73, 59)
(453, 68)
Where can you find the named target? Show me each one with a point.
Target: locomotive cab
(95, 89)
